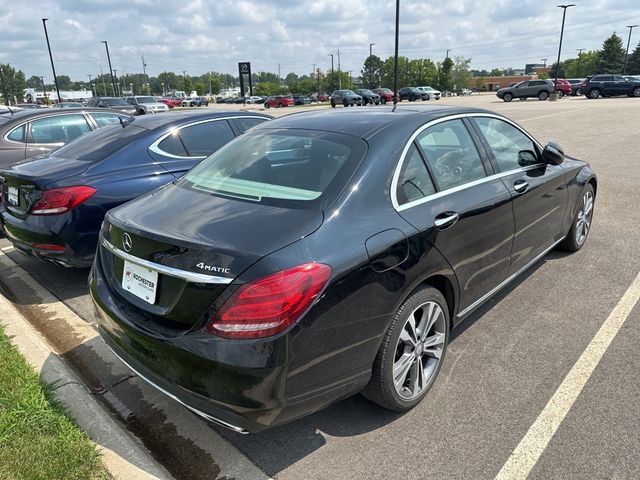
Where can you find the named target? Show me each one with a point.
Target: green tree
(560, 71)
(496, 72)
(633, 62)
(34, 82)
(460, 74)
(611, 55)
(13, 83)
(267, 88)
(200, 88)
(65, 83)
(187, 84)
(444, 72)
(371, 71)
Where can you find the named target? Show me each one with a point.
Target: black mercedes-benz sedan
(328, 253)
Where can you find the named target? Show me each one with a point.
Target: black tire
(594, 93)
(635, 92)
(141, 112)
(377, 103)
(381, 388)
(384, 100)
(543, 95)
(578, 92)
(345, 103)
(507, 97)
(333, 104)
(266, 105)
(560, 93)
(581, 224)
(522, 99)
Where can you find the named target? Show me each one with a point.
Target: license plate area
(140, 281)
(12, 195)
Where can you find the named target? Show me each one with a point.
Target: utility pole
(371, 65)
(339, 76)
(144, 71)
(115, 78)
(332, 78)
(318, 79)
(113, 82)
(90, 83)
(395, 59)
(55, 78)
(624, 67)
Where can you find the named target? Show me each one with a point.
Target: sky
(199, 36)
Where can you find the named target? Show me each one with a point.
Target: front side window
(451, 154)
(279, 167)
(414, 182)
(58, 129)
(511, 148)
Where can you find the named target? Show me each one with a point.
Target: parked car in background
(386, 95)
(167, 101)
(609, 86)
(412, 94)
(145, 104)
(368, 97)
(254, 99)
(540, 89)
(346, 248)
(575, 86)
(68, 105)
(28, 133)
(432, 93)
(279, 101)
(113, 103)
(347, 98)
(324, 97)
(563, 87)
(54, 205)
(299, 99)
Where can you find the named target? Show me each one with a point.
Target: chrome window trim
(24, 135)
(154, 146)
(166, 270)
(398, 168)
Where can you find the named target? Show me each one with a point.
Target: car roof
(152, 122)
(365, 122)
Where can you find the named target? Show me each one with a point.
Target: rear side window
(414, 182)
(104, 119)
(17, 134)
(245, 124)
(511, 148)
(279, 167)
(173, 145)
(58, 129)
(451, 154)
(205, 138)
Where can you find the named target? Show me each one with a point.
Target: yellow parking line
(526, 454)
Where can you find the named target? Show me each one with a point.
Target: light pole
(113, 82)
(55, 79)
(332, 79)
(115, 77)
(630, 27)
(370, 63)
(564, 13)
(395, 56)
(93, 89)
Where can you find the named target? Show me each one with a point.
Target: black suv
(412, 94)
(368, 96)
(609, 86)
(530, 88)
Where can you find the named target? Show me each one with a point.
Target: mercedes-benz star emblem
(126, 242)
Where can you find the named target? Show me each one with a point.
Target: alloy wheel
(583, 220)
(419, 350)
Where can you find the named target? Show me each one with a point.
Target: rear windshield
(290, 168)
(99, 144)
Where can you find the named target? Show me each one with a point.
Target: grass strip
(38, 440)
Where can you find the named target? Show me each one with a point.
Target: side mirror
(553, 154)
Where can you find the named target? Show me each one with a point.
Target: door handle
(520, 186)
(446, 220)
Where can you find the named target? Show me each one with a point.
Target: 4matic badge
(211, 268)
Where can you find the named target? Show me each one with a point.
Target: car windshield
(279, 167)
(366, 92)
(114, 102)
(146, 100)
(385, 90)
(100, 143)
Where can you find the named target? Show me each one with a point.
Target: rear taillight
(269, 305)
(60, 200)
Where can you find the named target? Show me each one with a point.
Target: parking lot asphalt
(504, 363)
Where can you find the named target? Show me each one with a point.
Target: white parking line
(526, 454)
(549, 115)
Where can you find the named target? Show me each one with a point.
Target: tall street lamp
(55, 78)
(370, 65)
(564, 13)
(630, 27)
(332, 79)
(113, 82)
(395, 55)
